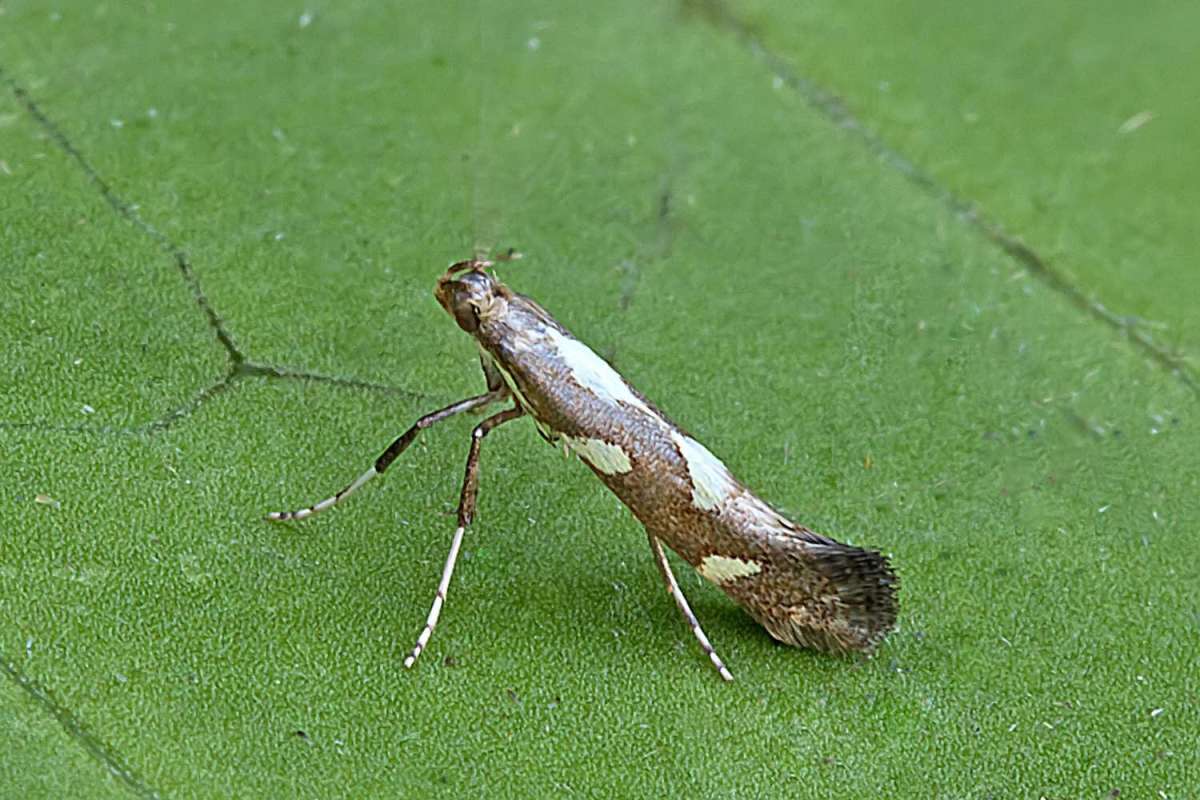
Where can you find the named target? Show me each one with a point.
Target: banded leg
(389, 455)
(466, 512)
(673, 587)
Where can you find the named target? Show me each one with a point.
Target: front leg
(394, 449)
(466, 512)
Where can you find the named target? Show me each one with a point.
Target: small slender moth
(805, 589)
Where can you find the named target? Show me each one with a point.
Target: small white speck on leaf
(77, 361)
(87, 409)
(117, 123)
(1012, 727)
(152, 112)
(47, 500)
(4, 167)
(306, 19)
(1136, 121)
(777, 83)
(1103, 508)
(534, 43)
(279, 236)
(29, 647)
(631, 140)
(1156, 712)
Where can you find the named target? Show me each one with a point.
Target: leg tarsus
(664, 568)
(439, 599)
(280, 516)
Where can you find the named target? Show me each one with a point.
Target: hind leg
(664, 567)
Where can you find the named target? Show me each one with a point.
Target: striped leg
(388, 456)
(466, 512)
(673, 587)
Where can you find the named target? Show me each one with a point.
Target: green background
(921, 275)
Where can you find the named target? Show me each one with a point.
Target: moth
(806, 589)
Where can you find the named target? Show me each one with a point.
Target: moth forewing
(804, 588)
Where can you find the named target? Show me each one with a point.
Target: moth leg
(495, 381)
(673, 587)
(466, 512)
(389, 455)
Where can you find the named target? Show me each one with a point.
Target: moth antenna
(476, 264)
(483, 253)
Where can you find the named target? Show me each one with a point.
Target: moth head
(469, 294)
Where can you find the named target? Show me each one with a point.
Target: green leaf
(220, 229)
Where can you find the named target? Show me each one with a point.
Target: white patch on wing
(712, 484)
(722, 569)
(608, 458)
(594, 373)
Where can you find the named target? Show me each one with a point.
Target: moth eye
(467, 317)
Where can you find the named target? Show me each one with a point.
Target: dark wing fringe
(857, 611)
